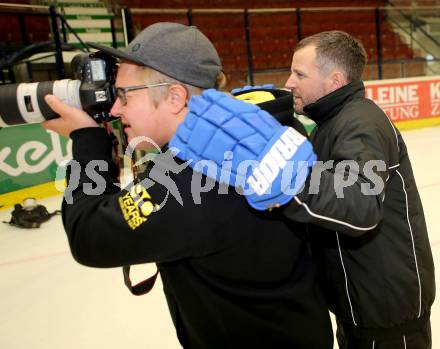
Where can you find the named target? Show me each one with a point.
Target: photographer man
(371, 235)
(233, 277)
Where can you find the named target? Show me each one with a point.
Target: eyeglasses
(121, 91)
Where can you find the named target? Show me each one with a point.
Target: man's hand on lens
(70, 119)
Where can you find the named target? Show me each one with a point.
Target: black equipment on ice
(30, 214)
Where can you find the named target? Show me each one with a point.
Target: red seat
(9, 29)
(388, 54)
(260, 62)
(403, 52)
(228, 63)
(371, 53)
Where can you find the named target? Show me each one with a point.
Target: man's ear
(337, 80)
(177, 98)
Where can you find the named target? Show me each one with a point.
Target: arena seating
(37, 30)
(273, 36)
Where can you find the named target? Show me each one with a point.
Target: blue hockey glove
(269, 162)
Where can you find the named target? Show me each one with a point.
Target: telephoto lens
(24, 103)
(91, 90)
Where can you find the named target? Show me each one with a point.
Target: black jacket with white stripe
(368, 221)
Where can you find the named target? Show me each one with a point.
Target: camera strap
(141, 288)
(119, 146)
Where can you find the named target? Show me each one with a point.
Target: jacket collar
(330, 105)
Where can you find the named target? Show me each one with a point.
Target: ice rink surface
(48, 301)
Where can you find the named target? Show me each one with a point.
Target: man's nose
(116, 108)
(290, 83)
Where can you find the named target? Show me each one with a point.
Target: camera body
(92, 90)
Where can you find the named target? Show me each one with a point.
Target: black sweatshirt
(233, 277)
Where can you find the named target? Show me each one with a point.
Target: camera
(92, 90)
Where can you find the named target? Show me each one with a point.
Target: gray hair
(337, 49)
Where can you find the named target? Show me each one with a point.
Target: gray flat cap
(179, 51)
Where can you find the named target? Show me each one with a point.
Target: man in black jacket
(377, 262)
(233, 278)
(367, 221)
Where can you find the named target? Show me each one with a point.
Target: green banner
(30, 155)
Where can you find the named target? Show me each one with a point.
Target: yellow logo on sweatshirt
(136, 206)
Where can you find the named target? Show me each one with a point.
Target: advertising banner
(409, 103)
(30, 155)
